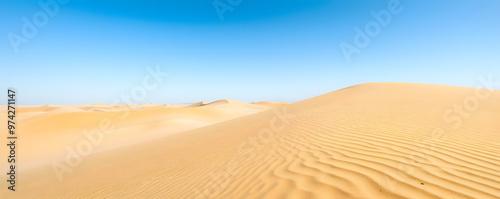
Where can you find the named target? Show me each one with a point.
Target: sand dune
(198, 104)
(131, 124)
(380, 140)
(271, 104)
(66, 109)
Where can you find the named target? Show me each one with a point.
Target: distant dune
(271, 104)
(379, 140)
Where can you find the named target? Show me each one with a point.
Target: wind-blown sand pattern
(380, 140)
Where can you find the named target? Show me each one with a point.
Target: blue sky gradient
(284, 50)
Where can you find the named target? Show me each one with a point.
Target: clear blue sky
(277, 50)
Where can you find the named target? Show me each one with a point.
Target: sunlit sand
(379, 140)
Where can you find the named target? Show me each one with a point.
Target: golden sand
(379, 140)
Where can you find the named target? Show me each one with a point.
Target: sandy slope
(381, 140)
(52, 128)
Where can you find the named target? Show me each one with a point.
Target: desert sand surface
(51, 128)
(377, 140)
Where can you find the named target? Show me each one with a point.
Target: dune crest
(198, 104)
